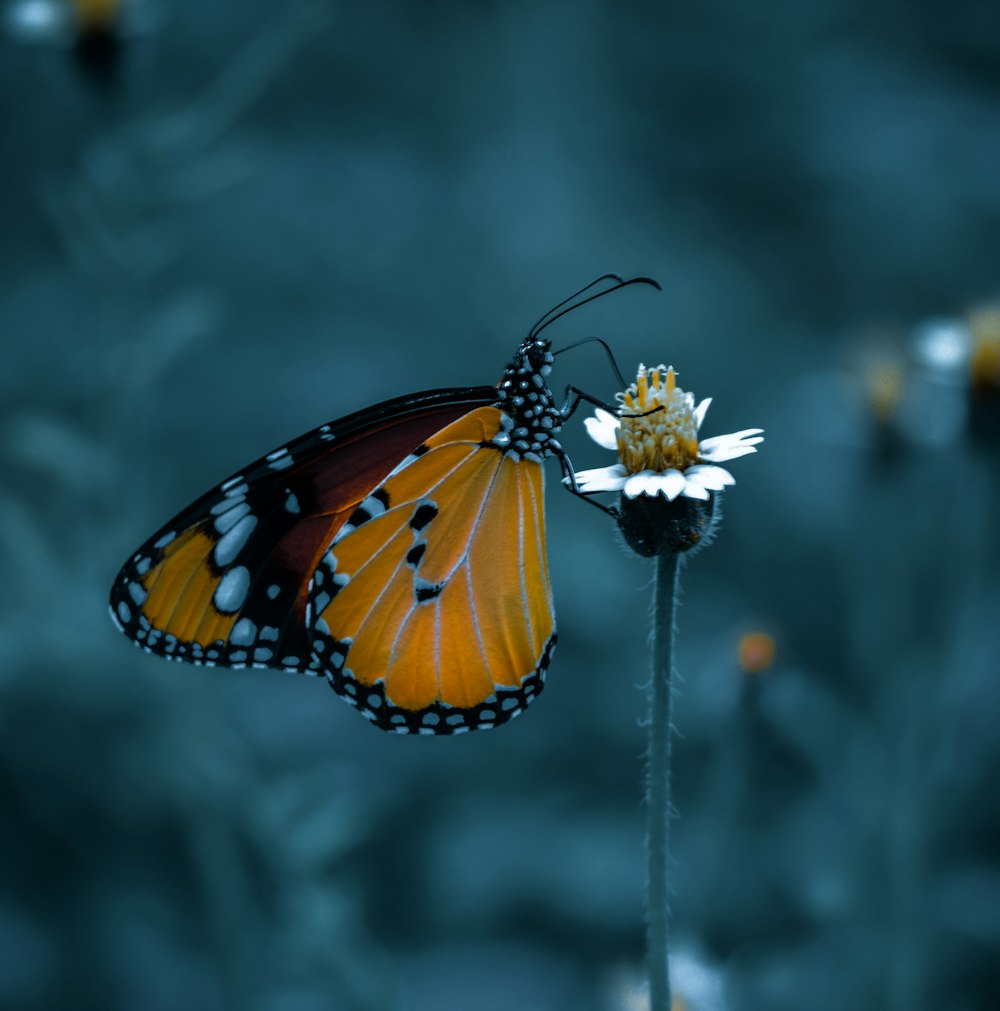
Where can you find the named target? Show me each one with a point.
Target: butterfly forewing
(434, 613)
(227, 581)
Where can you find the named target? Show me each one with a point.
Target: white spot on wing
(402, 465)
(231, 517)
(232, 590)
(373, 506)
(165, 539)
(224, 505)
(243, 634)
(232, 543)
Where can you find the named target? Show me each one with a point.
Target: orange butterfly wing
(433, 613)
(227, 581)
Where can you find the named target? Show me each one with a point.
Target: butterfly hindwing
(434, 613)
(227, 581)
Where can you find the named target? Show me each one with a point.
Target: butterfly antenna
(551, 316)
(611, 357)
(576, 294)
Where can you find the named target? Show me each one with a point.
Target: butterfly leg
(575, 396)
(569, 483)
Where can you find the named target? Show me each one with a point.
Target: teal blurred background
(250, 219)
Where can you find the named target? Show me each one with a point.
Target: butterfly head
(536, 355)
(527, 371)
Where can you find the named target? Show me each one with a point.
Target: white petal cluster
(695, 481)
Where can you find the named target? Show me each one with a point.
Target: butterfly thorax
(526, 400)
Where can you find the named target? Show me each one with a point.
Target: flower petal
(724, 456)
(710, 477)
(646, 482)
(600, 479)
(671, 483)
(728, 447)
(700, 411)
(602, 428)
(745, 435)
(692, 489)
(733, 436)
(650, 482)
(637, 484)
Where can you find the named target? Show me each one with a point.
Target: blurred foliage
(252, 219)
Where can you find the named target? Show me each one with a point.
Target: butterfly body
(399, 551)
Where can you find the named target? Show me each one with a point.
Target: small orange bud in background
(756, 652)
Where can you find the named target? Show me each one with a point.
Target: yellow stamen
(658, 431)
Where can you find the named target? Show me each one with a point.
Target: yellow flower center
(984, 365)
(658, 430)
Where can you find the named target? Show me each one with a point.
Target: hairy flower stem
(658, 781)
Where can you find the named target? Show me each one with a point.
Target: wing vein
(475, 623)
(178, 595)
(539, 542)
(388, 582)
(525, 603)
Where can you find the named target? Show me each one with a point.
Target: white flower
(656, 438)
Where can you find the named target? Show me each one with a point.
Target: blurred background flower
(265, 216)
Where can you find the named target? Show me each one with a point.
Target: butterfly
(400, 552)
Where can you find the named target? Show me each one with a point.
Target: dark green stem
(658, 782)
